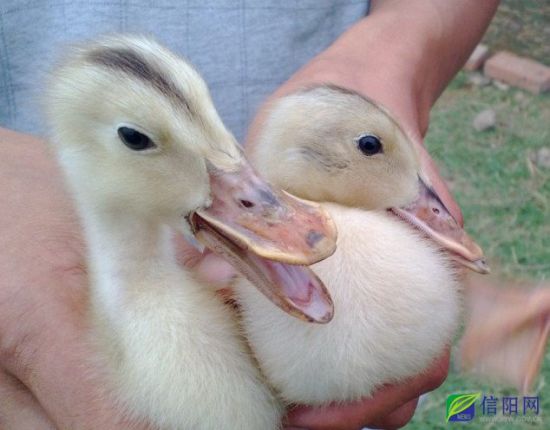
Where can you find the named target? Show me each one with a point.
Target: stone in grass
(518, 71)
(479, 79)
(501, 85)
(542, 157)
(521, 99)
(478, 57)
(485, 120)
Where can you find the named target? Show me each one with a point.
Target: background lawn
(503, 189)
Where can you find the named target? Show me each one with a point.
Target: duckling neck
(126, 252)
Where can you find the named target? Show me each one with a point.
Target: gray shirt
(244, 48)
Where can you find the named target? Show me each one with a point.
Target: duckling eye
(134, 140)
(369, 144)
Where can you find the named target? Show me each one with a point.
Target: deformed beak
(429, 214)
(269, 236)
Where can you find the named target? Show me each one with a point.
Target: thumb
(207, 266)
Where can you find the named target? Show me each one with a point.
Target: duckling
(395, 291)
(145, 154)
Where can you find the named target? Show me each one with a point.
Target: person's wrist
(393, 86)
(394, 59)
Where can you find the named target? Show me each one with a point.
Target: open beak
(429, 214)
(269, 236)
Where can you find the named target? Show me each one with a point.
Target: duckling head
(329, 144)
(131, 119)
(137, 134)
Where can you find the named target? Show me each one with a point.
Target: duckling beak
(429, 214)
(269, 236)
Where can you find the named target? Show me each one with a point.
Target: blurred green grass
(505, 198)
(522, 26)
(504, 195)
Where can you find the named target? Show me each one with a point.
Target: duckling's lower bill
(269, 236)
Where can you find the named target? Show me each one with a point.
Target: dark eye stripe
(127, 61)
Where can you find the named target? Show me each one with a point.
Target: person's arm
(402, 55)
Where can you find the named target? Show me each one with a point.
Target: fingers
(66, 383)
(47, 348)
(209, 267)
(19, 410)
(507, 330)
(214, 270)
(436, 374)
(378, 412)
(398, 418)
(386, 407)
(390, 407)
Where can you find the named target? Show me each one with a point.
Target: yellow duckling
(395, 292)
(145, 154)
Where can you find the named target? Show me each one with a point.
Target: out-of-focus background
(501, 179)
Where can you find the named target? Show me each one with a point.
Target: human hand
(391, 407)
(49, 372)
(506, 330)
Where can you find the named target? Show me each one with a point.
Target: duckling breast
(396, 302)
